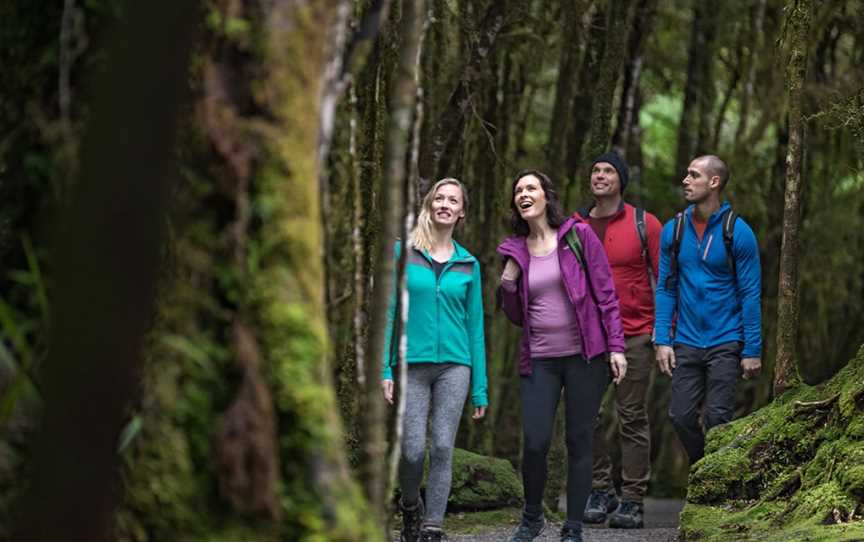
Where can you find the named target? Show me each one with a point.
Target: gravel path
(661, 525)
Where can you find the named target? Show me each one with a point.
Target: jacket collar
(460, 254)
(715, 216)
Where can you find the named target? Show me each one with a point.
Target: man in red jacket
(631, 239)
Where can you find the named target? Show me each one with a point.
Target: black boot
(628, 516)
(411, 519)
(431, 534)
(599, 504)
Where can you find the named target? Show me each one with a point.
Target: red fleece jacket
(629, 272)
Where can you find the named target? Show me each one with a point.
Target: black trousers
(703, 379)
(583, 384)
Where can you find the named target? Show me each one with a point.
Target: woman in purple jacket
(569, 321)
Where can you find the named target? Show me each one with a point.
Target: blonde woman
(445, 356)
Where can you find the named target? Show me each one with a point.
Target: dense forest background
(295, 139)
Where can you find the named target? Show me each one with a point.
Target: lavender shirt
(554, 328)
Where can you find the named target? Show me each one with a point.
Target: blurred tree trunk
(107, 259)
(240, 432)
(566, 87)
(391, 202)
(785, 369)
(699, 89)
(441, 146)
(583, 104)
(628, 107)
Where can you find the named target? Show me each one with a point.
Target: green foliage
(791, 469)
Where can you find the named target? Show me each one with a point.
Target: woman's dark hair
(554, 212)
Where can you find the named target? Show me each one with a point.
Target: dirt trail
(661, 525)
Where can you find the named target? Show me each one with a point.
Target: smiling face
(605, 180)
(529, 198)
(447, 205)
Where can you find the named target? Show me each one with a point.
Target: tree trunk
(565, 88)
(239, 394)
(699, 88)
(785, 369)
(107, 260)
(436, 154)
(391, 202)
(643, 25)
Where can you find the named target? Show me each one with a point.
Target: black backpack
(729, 218)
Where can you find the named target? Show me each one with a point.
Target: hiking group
(600, 295)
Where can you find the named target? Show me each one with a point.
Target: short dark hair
(716, 166)
(554, 212)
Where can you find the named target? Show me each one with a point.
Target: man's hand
(618, 363)
(751, 367)
(511, 270)
(665, 359)
(479, 412)
(387, 388)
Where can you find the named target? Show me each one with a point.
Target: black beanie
(618, 163)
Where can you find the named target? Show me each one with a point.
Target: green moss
(482, 482)
(793, 470)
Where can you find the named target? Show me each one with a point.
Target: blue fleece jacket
(712, 306)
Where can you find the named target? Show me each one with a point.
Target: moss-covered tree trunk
(240, 434)
(785, 368)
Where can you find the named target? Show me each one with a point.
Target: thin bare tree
(799, 13)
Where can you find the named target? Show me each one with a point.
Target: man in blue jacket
(711, 287)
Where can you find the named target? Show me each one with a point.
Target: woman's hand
(511, 270)
(479, 412)
(618, 363)
(387, 388)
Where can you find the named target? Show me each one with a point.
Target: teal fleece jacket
(445, 316)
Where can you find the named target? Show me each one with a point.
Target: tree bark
(643, 25)
(107, 258)
(391, 202)
(437, 153)
(699, 87)
(785, 369)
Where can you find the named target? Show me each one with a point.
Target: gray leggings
(445, 387)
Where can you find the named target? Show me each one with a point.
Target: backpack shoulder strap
(575, 245)
(643, 239)
(677, 234)
(729, 219)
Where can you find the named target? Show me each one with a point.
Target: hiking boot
(431, 534)
(627, 516)
(529, 530)
(411, 519)
(570, 535)
(600, 503)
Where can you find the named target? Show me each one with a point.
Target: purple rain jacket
(599, 323)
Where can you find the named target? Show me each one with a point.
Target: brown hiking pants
(633, 428)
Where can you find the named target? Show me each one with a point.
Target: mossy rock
(794, 470)
(483, 483)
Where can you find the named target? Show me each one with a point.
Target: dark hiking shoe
(599, 504)
(411, 519)
(628, 516)
(571, 535)
(431, 534)
(529, 530)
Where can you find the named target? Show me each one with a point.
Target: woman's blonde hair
(421, 236)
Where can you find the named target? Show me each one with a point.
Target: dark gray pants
(703, 378)
(583, 384)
